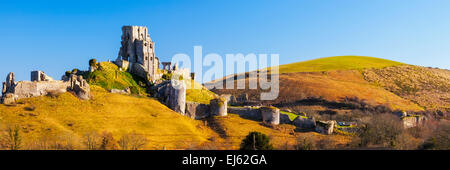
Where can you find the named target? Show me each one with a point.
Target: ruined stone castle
(41, 85)
(137, 54)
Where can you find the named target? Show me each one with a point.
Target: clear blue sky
(58, 35)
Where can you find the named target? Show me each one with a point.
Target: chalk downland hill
(365, 79)
(337, 63)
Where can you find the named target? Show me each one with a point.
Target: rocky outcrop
(270, 115)
(124, 91)
(219, 107)
(304, 122)
(325, 127)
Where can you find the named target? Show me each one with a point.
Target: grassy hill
(337, 63)
(428, 87)
(66, 118)
(195, 92)
(109, 76)
(326, 84)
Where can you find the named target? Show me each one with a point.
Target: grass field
(292, 116)
(233, 129)
(195, 92)
(337, 63)
(66, 115)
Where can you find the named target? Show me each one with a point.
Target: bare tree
(132, 141)
(92, 140)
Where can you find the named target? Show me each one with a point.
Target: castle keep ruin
(137, 54)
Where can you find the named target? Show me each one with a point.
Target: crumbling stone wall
(325, 127)
(270, 115)
(230, 98)
(172, 95)
(80, 87)
(247, 112)
(197, 110)
(412, 121)
(302, 122)
(13, 91)
(27, 89)
(219, 107)
(284, 119)
(124, 91)
(40, 76)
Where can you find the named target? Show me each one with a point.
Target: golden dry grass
(114, 113)
(332, 86)
(195, 92)
(429, 87)
(336, 85)
(233, 129)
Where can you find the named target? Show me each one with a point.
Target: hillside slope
(109, 76)
(337, 63)
(428, 87)
(50, 118)
(366, 79)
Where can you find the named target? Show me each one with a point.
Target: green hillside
(337, 63)
(109, 76)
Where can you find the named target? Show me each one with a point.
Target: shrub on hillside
(305, 143)
(439, 139)
(12, 138)
(108, 142)
(256, 141)
(381, 129)
(93, 62)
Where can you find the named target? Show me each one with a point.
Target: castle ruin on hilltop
(137, 53)
(42, 85)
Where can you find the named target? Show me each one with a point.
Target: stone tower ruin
(137, 54)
